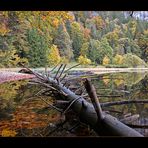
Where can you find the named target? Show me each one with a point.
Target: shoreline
(94, 70)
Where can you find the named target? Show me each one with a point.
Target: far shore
(95, 70)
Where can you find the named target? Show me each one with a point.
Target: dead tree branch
(93, 96)
(106, 126)
(123, 102)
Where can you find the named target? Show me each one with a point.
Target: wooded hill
(45, 38)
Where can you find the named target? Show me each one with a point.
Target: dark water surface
(24, 112)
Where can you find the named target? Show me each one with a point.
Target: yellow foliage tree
(84, 60)
(54, 56)
(8, 133)
(9, 90)
(106, 60)
(56, 22)
(118, 59)
(4, 25)
(41, 19)
(3, 29)
(106, 80)
(132, 27)
(64, 60)
(119, 81)
(10, 58)
(100, 24)
(114, 36)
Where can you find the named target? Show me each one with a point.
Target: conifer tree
(64, 43)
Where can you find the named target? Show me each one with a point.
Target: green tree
(38, 49)
(64, 43)
(96, 50)
(133, 61)
(143, 43)
(84, 50)
(77, 37)
(114, 36)
(104, 50)
(93, 51)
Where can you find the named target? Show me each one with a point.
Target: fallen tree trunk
(106, 126)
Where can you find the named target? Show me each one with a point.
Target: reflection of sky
(143, 15)
(133, 84)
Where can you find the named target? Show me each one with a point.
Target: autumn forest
(45, 38)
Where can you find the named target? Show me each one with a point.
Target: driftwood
(93, 96)
(102, 123)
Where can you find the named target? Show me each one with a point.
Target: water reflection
(22, 113)
(125, 86)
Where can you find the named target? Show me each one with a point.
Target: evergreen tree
(64, 43)
(96, 50)
(68, 26)
(105, 50)
(38, 49)
(77, 37)
(143, 44)
(93, 51)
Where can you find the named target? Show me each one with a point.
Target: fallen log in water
(102, 123)
(108, 125)
(105, 125)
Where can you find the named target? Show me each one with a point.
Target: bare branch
(62, 71)
(123, 102)
(54, 67)
(92, 94)
(51, 105)
(72, 67)
(58, 71)
(72, 102)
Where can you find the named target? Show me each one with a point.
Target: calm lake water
(24, 112)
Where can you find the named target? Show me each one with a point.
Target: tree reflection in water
(23, 114)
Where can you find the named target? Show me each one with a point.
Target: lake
(26, 109)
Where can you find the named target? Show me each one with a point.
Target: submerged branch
(137, 126)
(123, 102)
